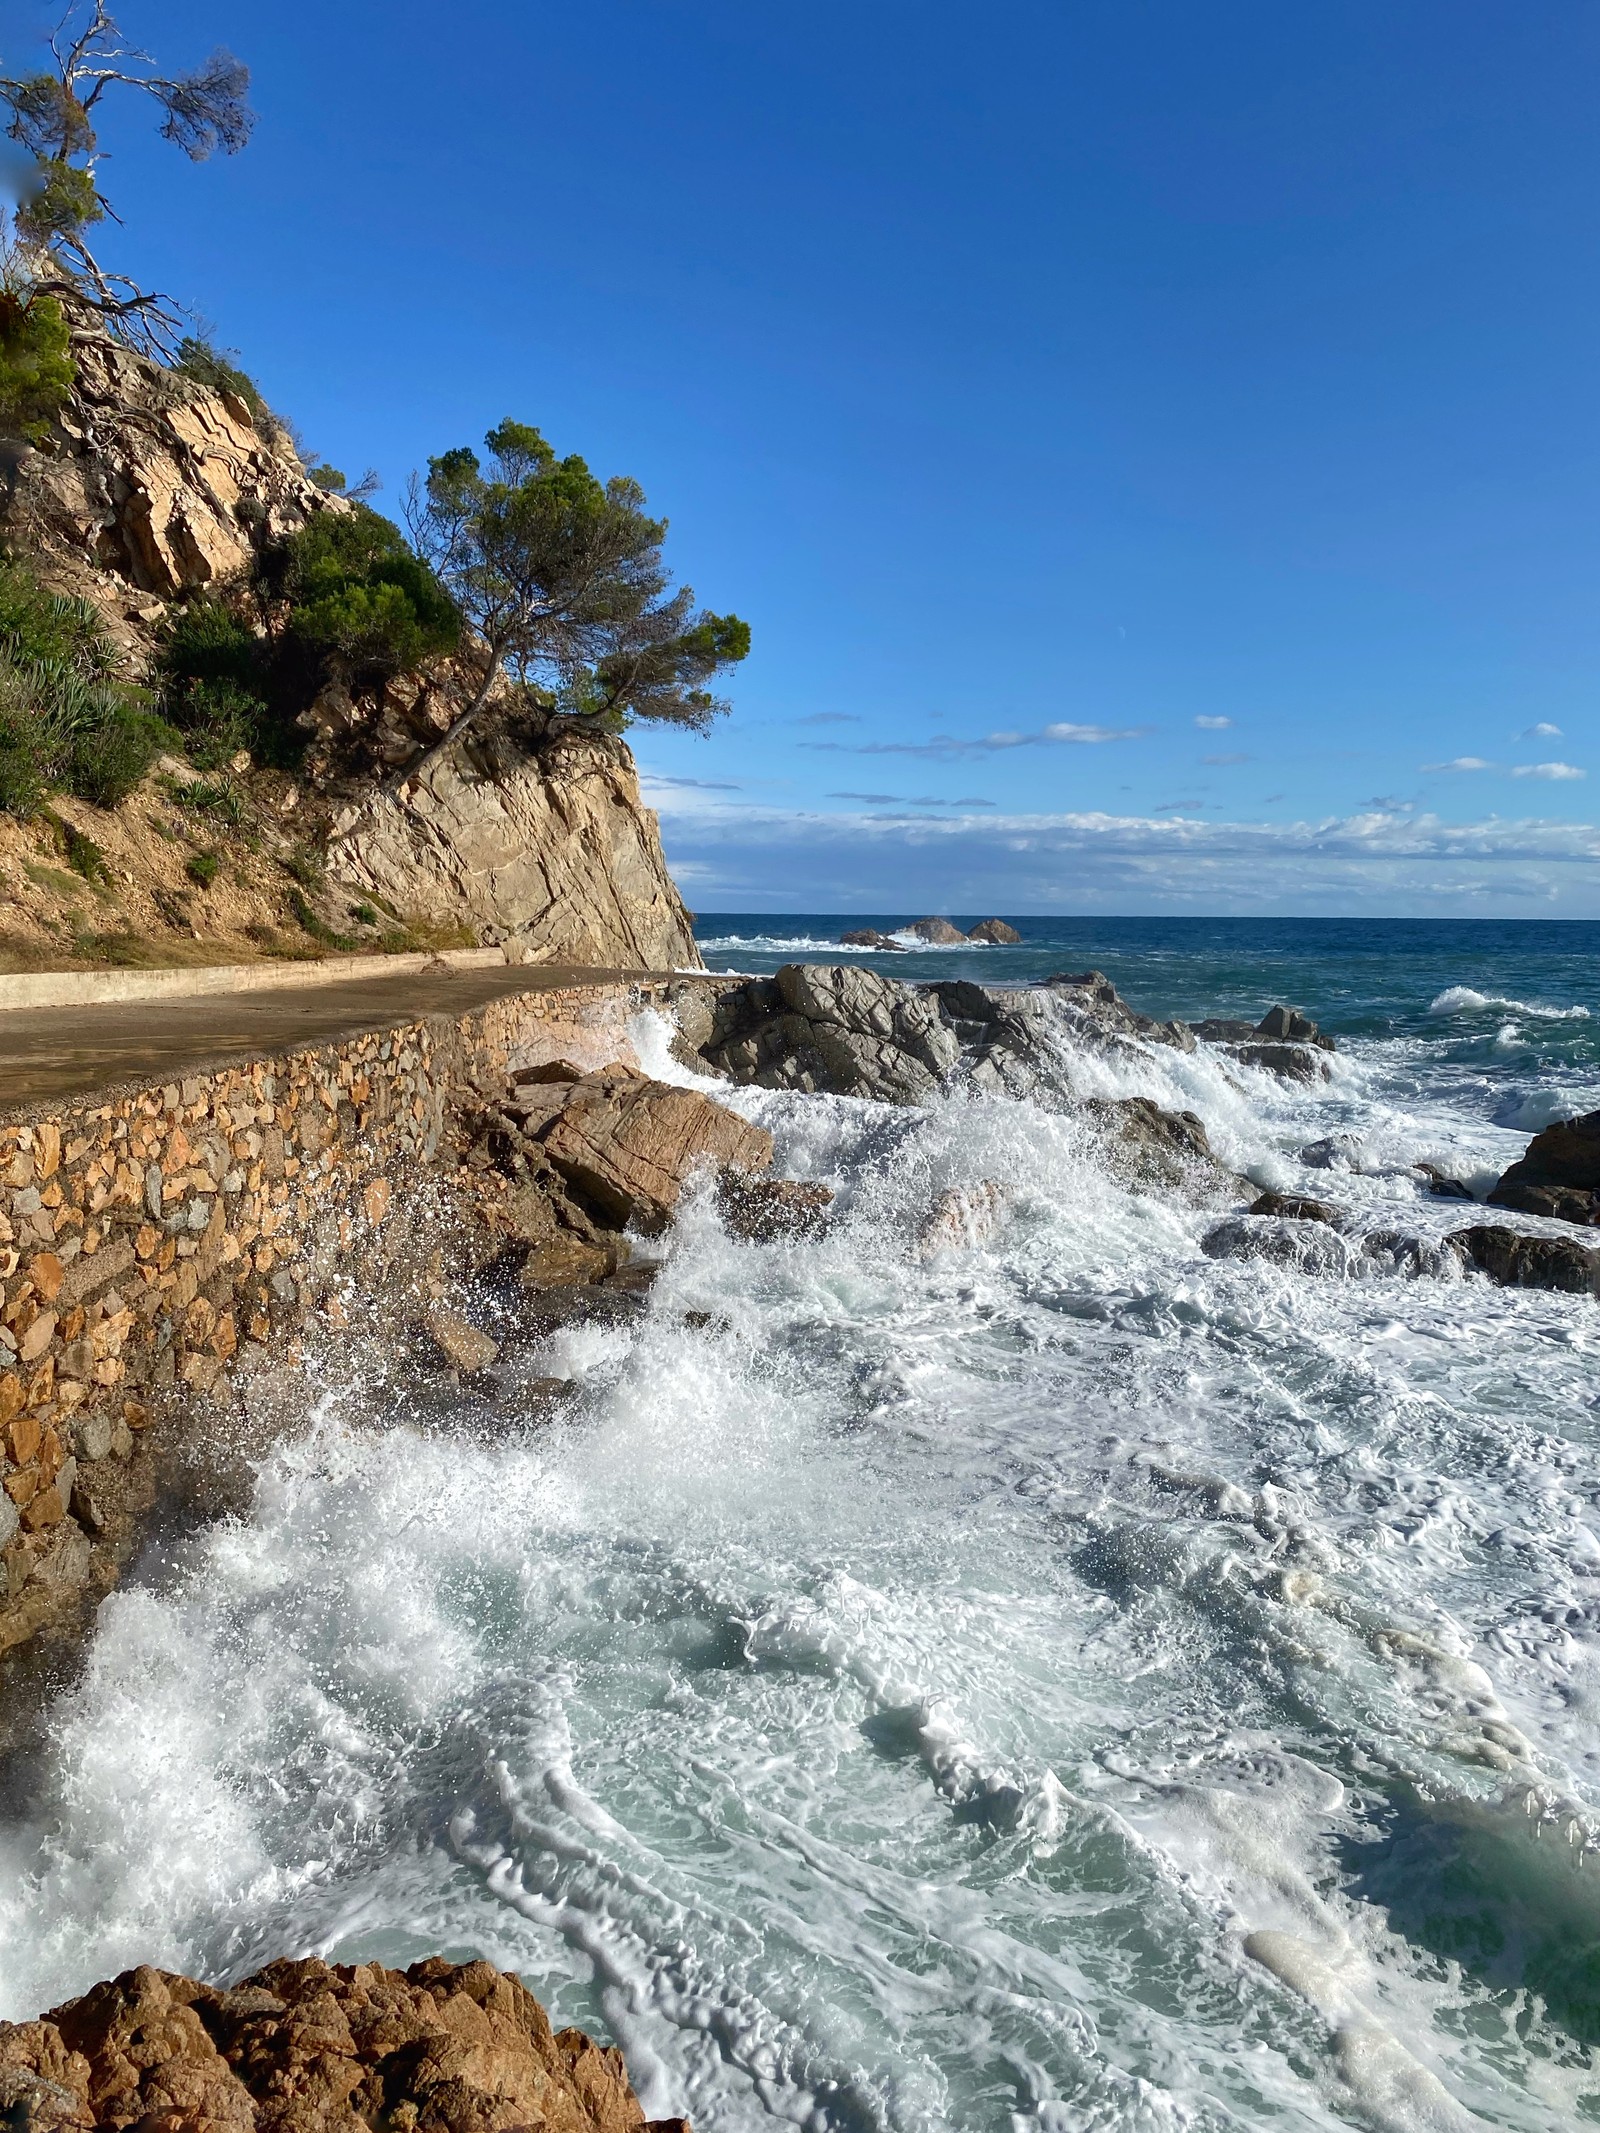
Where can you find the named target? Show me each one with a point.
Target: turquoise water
(1065, 1684)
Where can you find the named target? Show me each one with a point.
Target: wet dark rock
(308, 2047)
(1441, 1185)
(1290, 1062)
(1340, 1151)
(1295, 1207)
(1558, 1173)
(1225, 1029)
(1284, 1042)
(1304, 1247)
(1286, 1025)
(549, 1070)
(1149, 1146)
(996, 933)
(1098, 999)
(637, 1279)
(1519, 1261)
(835, 1029)
(458, 1341)
(763, 1210)
(1389, 1251)
(870, 937)
(553, 1310)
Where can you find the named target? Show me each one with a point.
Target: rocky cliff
(152, 488)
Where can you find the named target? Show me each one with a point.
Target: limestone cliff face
(153, 488)
(548, 850)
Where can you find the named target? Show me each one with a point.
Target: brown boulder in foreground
(1558, 1174)
(629, 1145)
(307, 2047)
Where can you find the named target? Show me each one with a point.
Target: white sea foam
(1071, 1682)
(1462, 1000)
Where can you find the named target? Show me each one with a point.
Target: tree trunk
(430, 756)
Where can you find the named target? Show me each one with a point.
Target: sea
(1066, 1682)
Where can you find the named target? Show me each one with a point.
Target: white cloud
(1089, 734)
(1540, 733)
(1554, 771)
(1461, 762)
(945, 745)
(1380, 860)
(1213, 725)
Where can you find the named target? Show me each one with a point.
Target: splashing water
(1065, 1683)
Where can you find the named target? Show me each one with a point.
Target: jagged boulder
(310, 2047)
(1147, 1145)
(1284, 1042)
(1558, 1173)
(937, 932)
(626, 1145)
(1290, 1062)
(1101, 1005)
(839, 1030)
(1517, 1260)
(995, 933)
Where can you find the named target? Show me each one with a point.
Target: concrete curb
(97, 988)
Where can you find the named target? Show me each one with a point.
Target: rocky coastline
(534, 1185)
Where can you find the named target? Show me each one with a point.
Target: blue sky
(1157, 447)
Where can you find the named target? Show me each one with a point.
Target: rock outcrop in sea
(1558, 1174)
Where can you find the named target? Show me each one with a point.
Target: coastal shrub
(218, 686)
(309, 922)
(208, 365)
(203, 868)
(66, 721)
(83, 855)
(358, 596)
(36, 366)
(219, 797)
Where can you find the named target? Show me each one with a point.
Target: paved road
(50, 1052)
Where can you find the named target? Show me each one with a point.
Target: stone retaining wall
(149, 1240)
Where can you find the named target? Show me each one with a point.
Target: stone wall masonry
(151, 1240)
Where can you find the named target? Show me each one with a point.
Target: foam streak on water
(1071, 1683)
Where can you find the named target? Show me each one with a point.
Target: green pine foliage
(36, 367)
(361, 597)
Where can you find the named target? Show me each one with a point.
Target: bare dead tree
(53, 118)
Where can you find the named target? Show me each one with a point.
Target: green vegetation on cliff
(68, 720)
